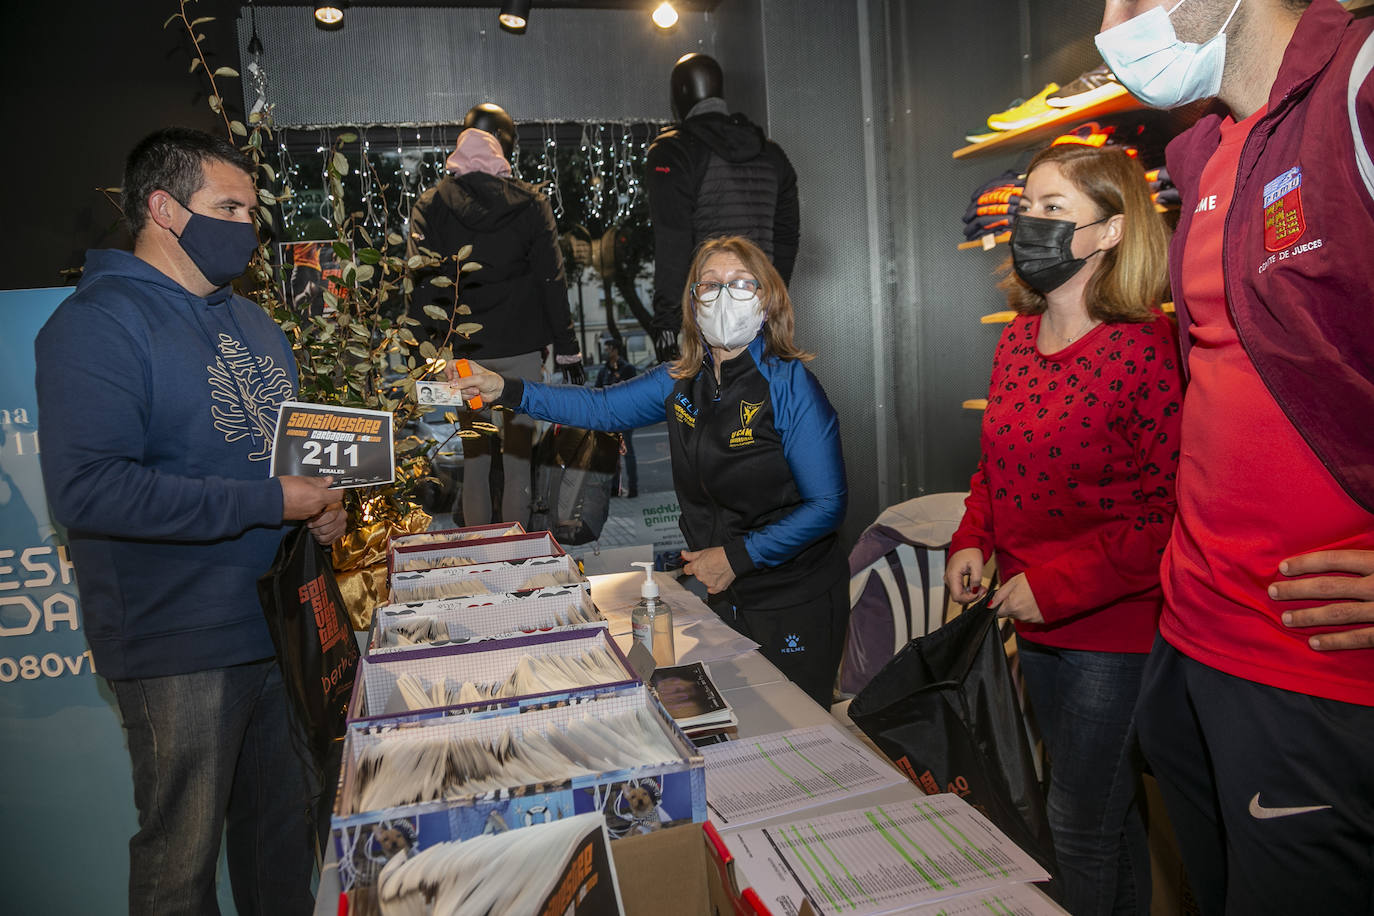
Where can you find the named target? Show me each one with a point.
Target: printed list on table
(753, 779)
(891, 857)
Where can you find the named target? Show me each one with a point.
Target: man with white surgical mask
(1257, 709)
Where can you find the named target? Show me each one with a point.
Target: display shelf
(976, 404)
(1048, 126)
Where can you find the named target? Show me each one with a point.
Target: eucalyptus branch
(216, 100)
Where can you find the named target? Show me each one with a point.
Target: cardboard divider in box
(634, 801)
(471, 532)
(466, 551)
(498, 576)
(377, 699)
(500, 615)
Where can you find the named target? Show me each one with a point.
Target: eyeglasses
(708, 291)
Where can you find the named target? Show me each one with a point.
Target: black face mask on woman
(1042, 251)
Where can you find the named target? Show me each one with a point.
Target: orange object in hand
(464, 370)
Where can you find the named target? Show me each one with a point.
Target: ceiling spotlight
(515, 14)
(329, 14)
(665, 17)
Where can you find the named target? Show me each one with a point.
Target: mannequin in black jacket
(710, 175)
(518, 296)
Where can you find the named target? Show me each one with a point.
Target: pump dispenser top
(649, 588)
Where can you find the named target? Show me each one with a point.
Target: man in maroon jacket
(1257, 711)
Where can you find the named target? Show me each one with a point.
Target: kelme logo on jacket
(745, 434)
(1283, 219)
(684, 410)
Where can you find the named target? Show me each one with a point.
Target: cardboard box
(416, 557)
(636, 800)
(376, 699)
(664, 873)
(503, 615)
(471, 532)
(502, 576)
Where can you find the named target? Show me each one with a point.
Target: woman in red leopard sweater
(1075, 495)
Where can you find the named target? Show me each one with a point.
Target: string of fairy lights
(601, 176)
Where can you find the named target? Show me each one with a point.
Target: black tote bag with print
(313, 637)
(945, 711)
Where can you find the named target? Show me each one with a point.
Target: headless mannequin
(695, 77)
(494, 120)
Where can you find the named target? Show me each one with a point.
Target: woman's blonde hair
(777, 305)
(1129, 280)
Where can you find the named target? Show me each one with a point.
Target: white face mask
(730, 323)
(1147, 57)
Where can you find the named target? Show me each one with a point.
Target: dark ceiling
(647, 5)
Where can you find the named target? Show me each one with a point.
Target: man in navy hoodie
(158, 389)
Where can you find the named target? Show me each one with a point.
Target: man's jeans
(1083, 702)
(213, 750)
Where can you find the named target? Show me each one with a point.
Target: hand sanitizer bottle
(652, 620)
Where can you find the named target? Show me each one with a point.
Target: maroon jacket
(1299, 240)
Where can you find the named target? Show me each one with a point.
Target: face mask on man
(728, 323)
(220, 248)
(1148, 58)
(1042, 251)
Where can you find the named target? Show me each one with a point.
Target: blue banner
(66, 793)
(66, 789)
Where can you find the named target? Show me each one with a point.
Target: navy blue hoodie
(155, 417)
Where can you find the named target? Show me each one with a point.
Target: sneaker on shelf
(980, 134)
(1024, 114)
(1096, 84)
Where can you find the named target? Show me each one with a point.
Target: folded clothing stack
(993, 205)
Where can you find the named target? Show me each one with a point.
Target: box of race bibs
(421, 684)
(371, 823)
(486, 576)
(465, 550)
(476, 618)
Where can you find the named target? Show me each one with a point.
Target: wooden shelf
(1052, 125)
(976, 404)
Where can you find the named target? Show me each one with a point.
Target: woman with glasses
(756, 458)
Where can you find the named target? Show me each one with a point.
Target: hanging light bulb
(329, 14)
(665, 17)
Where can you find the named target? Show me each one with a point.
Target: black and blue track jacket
(757, 463)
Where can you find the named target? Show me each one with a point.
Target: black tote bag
(313, 638)
(945, 711)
